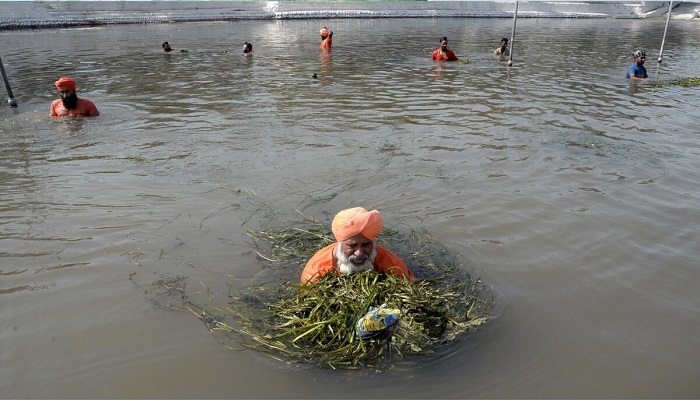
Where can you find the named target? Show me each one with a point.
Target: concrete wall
(50, 14)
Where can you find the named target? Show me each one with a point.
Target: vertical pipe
(512, 35)
(11, 99)
(668, 17)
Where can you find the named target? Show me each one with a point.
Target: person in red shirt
(69, 105)
(326, 39)
(442, 53)
(355, 230)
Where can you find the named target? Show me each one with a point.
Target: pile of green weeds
(316, 324)
(684, 82)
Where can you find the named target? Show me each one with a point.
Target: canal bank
(57, 14)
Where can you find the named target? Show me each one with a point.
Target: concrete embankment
(52, 14)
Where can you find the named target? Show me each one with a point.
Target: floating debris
(684, 82)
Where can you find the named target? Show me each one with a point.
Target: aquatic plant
(684, 82)
(316, 323)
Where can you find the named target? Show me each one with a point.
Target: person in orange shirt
(355, 230)
(69, 105)
(442, 53)
(326, 39)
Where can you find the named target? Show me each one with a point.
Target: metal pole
(668, 17)
(512, 35)
(11, 99)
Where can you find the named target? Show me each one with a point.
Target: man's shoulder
(319, 264)
(56, 108)
(384, 252)
(326, 251)
(87, 108)
(386, 262)
(638, 70)
(85, 101)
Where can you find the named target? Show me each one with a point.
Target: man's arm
(389, 263)
(92, 110)
(87, 108)
(634, 77)
(634, 71)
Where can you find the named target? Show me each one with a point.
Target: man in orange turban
(69, 105)
(326, 39)
(355, 230)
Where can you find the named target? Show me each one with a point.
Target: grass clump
(316, 323)
(686, 82)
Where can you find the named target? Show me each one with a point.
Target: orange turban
(324, 31)
(350, 222)
(65, 82)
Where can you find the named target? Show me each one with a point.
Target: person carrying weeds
(356, 251)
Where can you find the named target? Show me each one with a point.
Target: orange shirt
(84, 108)
(449, 55)
(322, 263)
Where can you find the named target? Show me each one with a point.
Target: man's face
(640, 60)
(68, 97)
(443, 44)
(355, 255)
(357, 248)
(65, 93)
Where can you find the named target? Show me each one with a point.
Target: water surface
(574, 193)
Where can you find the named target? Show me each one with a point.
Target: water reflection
(326, 66)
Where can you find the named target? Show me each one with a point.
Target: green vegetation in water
(684, 82)
(316, 324)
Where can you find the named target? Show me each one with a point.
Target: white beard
(345, 265)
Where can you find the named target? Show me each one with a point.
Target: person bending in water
(637, 72)
(69, 105)
(166, 47)
(355, 251)
(326, 39)
(248, 48)
(442, 53)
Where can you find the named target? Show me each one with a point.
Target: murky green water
(575, 193)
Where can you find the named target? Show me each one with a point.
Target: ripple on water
(575, 192)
